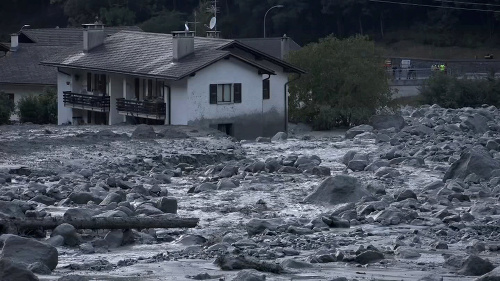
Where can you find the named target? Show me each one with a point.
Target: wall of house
(21, 91)
(275, 121)
(64, 83)
(180, 103)
(115, 90)
(249, 118)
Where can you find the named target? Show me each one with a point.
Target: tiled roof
(145, 54)
(270, 46)
(22, 66)
(64, 36)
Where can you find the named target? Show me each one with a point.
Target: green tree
(165, 22)
(344, 86)
(6, 108)
(39, 109)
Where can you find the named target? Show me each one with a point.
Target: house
(278, 47)
(21, 74)
(172, 79)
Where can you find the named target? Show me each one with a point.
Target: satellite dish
(213, 21)
(186, 27)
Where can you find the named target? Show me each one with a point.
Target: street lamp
(277, 6)
(26, 25)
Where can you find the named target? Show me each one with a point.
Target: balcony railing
(144, 109)
(87, 102)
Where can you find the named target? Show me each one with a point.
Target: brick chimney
(285, 46)
(14, 42)
(93, 36)
(182, 44)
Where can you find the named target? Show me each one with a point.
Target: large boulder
(13, 271)
(474, 160)
(68, 232)
(336, 190)
(475, 266)
(494, 275)
(354, 131)
(28, 251)
(256, 226)
(381, 122)
(144, 131)
(476, 123)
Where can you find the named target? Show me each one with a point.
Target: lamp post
(277, 6)
(26, 25)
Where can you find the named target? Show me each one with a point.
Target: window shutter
(89, 82)
(213, 93)
(237, 92)
(266, 89)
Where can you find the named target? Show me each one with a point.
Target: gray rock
(249, 275)
(39, 268)
(55, 241)
(167, 205)
(114, 238)
(110, 198)
(369, 256)
(381, 122)
(289, 170)
(80, 213)
(379, 163)
(14, 271)
(321, 171)
(357, 165)
(279, 136)
(272, 165)
(406, 194)
(148, 209)
(387, 172)
(11, 209)
(40, 198)
(74, 278)
(28, 251)
(407, 253)
(83, 198)
(225, 184)
(296, 264)
(476, 123)
(256, 226)
(354, 131)
(206, 186)
(143, 131)
(191, 239)
(432, 277)
(228, 171)
(493, 275)
(475, 266)
(263, 139)
(475, 160)
(336, 190)
(68, 232)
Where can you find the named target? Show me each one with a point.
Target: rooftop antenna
(26, 25)
(213, 9)
(213, 22)
(195, 22)
(186, 27)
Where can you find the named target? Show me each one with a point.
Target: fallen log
(17, 225)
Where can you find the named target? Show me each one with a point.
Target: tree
(165, 22)
(345, 82)
(6, 108)
(39, 109)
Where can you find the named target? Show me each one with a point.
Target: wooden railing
(88, 102)
(144, 109)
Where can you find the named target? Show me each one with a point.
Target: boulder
(336, 190)
(493, 275)
(354, 131)
(114, 238)
(206, 186)
(11, 209)
(256, 226)
(144, 131)
(292, 263)
(226, 184)
(405, 194)
(68, 232)
(167, 205)
(475, 160)
(83, 198)
(110, 198)
(280, 136)
(369, 256)
(228, 171)
(475, 266)
(28, 251)
(381, 122)
(263, 139)
(250, 275)
(476, 123)
(13, 271)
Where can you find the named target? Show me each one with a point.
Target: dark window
(137, 85)
(266, 89)
(213, 93)
(225, 93)
(237, 93)
(100, 83)
(89, 82)
(150, 88)
(160, 89)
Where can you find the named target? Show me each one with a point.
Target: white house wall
(115, 90)
(180, 106)
(249, 118)
(64, 83)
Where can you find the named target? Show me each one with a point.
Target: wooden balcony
(86, 102)
(144, 109)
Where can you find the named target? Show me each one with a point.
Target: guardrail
(88, 102)
(145, 109)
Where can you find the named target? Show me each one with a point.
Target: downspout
(286, 103)
(169, 105)
(262, 114)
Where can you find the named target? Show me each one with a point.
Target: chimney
(93, 36)
(285, 46)
(182, 44)
(14, 42)
(213, 34)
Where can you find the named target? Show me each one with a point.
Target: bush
(39, 109)
(344, 84)
(452, 92)
(6, 108)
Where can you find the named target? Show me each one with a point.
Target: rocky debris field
(410, 197)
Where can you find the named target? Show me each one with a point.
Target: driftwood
(16, 225)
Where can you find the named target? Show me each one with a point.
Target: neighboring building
(21, 74)
(278, 47)
(175, 79)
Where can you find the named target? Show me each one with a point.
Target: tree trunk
(18, 225)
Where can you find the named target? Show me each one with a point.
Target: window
(225, 93)
(266, 89)
(150, 88)
(89, 82)
(99, 84)
(137, 86)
